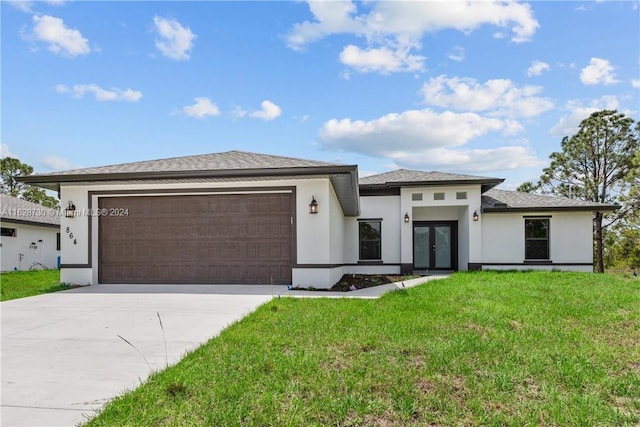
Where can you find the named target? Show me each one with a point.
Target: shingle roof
(14, 209)
(405, 177)
(230, 160)
(496, 200)
(235, 165)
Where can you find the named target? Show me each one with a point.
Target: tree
(10, 169)
(596, 165)
(632, 200)
(527, 187)
(36, 195)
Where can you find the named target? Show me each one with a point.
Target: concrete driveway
(62, 358)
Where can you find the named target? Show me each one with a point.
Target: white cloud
(392, 30)
(27, 6)
(413, 129)
(6, 152)
(202, 107)
(456, 54)
(421, 138)
(268, 111)
(568, 124)
(55, 163)
(60, 39)
(385, 59)
(175, 40)
(332, 17)
(475, 160)
(500, 97)
(412, 18)
(599, 71)
(537, 67)
(113, 94)
(22, 6)
(635, 83)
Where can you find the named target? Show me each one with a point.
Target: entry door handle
(433, 247)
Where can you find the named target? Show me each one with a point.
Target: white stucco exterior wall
(318, 237)
(450, 209)
(326, 246)
(570, 240)
(386, 209)
(32, 244)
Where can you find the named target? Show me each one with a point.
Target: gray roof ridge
(422, 172)
(93, 169)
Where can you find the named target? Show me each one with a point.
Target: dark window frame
(440, 195)
(8, 232)
(461, 195)
(528, 256)
(57, 241)
(365, 257)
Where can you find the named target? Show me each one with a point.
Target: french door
(435, 245)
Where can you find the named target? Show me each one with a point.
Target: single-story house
(30, 236)
(238, 217)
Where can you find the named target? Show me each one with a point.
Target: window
(438, 196)
(536, 238)
(461, 195)
(370, 239)
(416, 196)
(8, 232)
(57, 241)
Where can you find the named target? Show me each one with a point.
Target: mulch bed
(352, 282)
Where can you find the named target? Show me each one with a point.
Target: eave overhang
(551, 209)
(344, 179)
(393, 188)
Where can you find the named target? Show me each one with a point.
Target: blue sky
(485, 88)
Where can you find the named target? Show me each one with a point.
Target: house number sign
(70, 233)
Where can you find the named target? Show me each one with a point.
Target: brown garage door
(230, 238)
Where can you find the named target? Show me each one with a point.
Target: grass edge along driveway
(532, 348)
(21, 284)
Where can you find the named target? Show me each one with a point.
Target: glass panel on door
(443, 247)
(421, 248)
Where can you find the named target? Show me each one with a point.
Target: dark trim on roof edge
(215, 173)
(487, 184)
(552, 209)
(379, 191)
(26, 222)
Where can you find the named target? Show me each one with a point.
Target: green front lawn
(475, 349)
(20, 284)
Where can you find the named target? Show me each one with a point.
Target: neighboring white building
(30, 235)
(240, 217)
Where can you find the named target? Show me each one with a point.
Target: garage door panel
(197, 239)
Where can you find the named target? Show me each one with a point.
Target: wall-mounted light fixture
(475, 215)
(406, 217)
(70, 211)
(313, 206)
